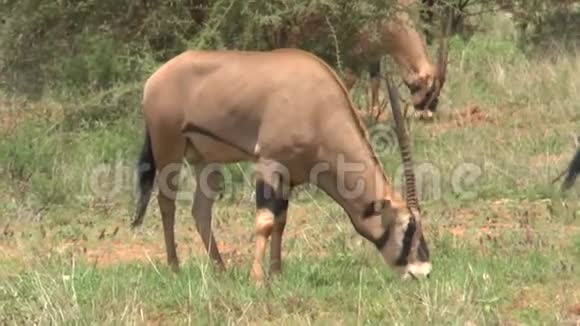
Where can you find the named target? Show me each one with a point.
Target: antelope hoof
(275, 269)
(257, 275)
(275, 272)
(175, 268)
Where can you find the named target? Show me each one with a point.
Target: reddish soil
(115, 252)
(9, 120)
(487, 230)
(110, 251)
(472, 115)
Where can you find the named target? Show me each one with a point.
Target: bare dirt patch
(109, 253)
(111, 246)
(528, 219)
(470, 116)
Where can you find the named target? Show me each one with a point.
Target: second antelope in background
(396, 36)
(287, 111)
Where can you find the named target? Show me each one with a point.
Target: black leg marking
(270, 198)
(370, 210)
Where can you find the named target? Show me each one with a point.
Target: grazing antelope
(408, 48)
(288, 112)
(409, 51)
(398, 38)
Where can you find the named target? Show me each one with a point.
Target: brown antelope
(398, 38)
(287, 111)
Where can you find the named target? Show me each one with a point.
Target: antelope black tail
(145, 178)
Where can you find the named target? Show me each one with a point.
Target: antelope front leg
(264, 226)
(271, 205)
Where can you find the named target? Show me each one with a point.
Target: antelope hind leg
(166, 200)
(167, 149)
(207, 179)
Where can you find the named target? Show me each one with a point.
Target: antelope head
(426, 87)
(403, 245)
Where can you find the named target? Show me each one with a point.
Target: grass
(516, 273)
(505, 243)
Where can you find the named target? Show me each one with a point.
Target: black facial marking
(422, 250)
(369, 211)
(267, 197)
(407, 242)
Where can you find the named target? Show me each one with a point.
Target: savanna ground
(505, 242)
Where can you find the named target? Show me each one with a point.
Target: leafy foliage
(93, 44)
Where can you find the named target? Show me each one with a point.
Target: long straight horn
(403, 138)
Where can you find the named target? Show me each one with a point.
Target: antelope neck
(407, 48)
(357, 192)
